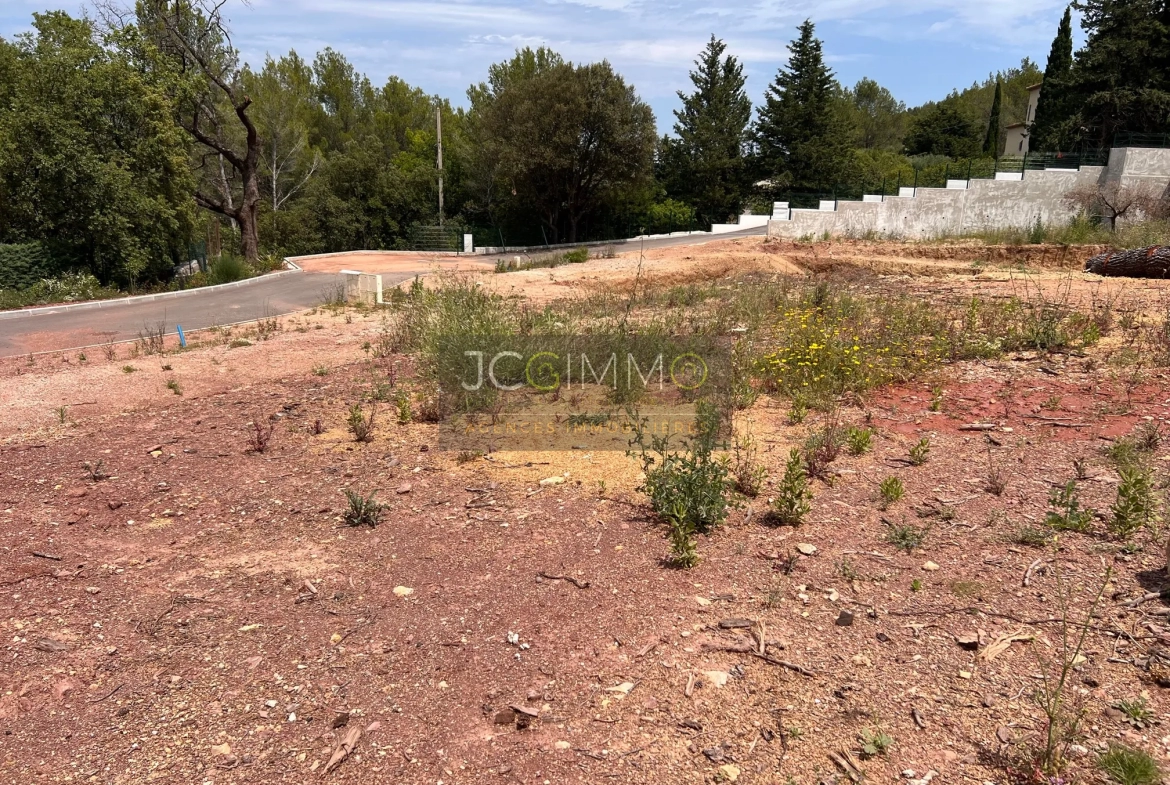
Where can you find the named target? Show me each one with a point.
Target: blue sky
(919, 49)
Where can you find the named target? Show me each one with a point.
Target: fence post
(915, 182)
(1024, 166)
(946, 174)
(969, 163)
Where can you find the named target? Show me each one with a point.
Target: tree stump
(1151, 262)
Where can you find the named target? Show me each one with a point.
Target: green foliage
(1051, 107)
(803, 132)
(905, 536)
(1136, 505)
(920, 452)
(363, 510)
(793, 497)
(746, 470)
(991, 143)
(687, 487)
(859, 440)
(23, 265)
(360, 424)
(891, 491)
(942, 129)
(90, 156)
(875, 742)
(821, 448)
(1129, 766)
(227, 269)
(878, 119)
(705, 165)
(1067, 514)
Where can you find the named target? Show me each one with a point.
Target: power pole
(439, 134)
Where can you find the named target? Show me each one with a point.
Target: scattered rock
(504, 717)
(930, 567)
(1004, 734)
(714, 754)
(735, 624)
(987, 701)
(77, 493)
(716, 678)
(547, 481)
(92, 590)
(340, 721)
(862, 660)
(404, 488)
(113, 505)
(623, 688)
(224, 749)
(845, 619)
(968, 641)
(403, 591)
(703, 601)
(882, 637)
(729, 772)
(562, 745)
(808, 549)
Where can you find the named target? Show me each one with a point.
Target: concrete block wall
(1009, 201)
(362, 287)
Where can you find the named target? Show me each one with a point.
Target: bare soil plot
(190, 609)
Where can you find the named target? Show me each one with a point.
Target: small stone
(703, 601)
(729, 772)
(882, 637)
(623, 688)
(224, 749)
(808, 549)
(716, 678)
(335, 638)
(77, 493)
(340, 721)
(562, 745)
(968, 641)
(404, 488)
(504, 717)
(845, 619)
(987, 701)
(714, 754)
(156, 453)
(862, 660)
(1004, 734)
(113, 505)
(964, 674)
(92, 590)
(547, 481)
(930, 567)
(403, 591)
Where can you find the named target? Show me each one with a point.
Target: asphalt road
(59, 329)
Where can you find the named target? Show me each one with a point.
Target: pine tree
(1116, 83)
(1052, 106)
(705, 166)
(991, 141)
(802, 133)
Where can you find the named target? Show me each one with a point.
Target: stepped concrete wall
(974, 205)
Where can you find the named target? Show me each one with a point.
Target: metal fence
(436, 238)
(1131, 139)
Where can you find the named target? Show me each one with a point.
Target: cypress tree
(1051, 108)
(991, 141)
(705, 166)
(801, 132)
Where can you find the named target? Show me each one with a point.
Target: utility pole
(439, 135)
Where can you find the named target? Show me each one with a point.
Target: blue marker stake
(182, 338)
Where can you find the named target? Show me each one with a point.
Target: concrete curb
(146, 298)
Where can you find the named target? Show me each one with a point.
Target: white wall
(984, 204)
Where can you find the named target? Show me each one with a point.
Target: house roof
(1034, 86)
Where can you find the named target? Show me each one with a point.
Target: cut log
(1150, 262)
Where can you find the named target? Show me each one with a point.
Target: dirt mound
(970, 252)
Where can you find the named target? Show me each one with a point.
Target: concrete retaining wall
(1013, 202)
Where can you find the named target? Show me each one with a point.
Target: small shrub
(227, 269)
(402, 405)
(1068, 515)
(875, 742)
(96, 470)
(363, 510)
(320, 370)
(128, 369)
(62, 413)
(821, 448)
(1031, 536)
(936, 398)
(920, 451)
(797, 412)
(360, 424)
(746, 471)
(687, 487)
(1137, 711)
(470, 456)
(1128, 766)
(1136, 504)
(996, 481)
(260, 436)
(110, 351)
(317, 428)
(906, 537)
(916, 585)
(173, 386)
(891, 491)
(793, 497)
(859, 440)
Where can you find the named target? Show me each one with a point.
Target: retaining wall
(973, 205)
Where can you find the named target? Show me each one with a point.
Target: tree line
(128, 140)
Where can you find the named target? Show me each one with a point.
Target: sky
(919, 49)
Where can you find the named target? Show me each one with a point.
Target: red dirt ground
(159, 624)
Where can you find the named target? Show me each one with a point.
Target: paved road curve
(59, 329)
